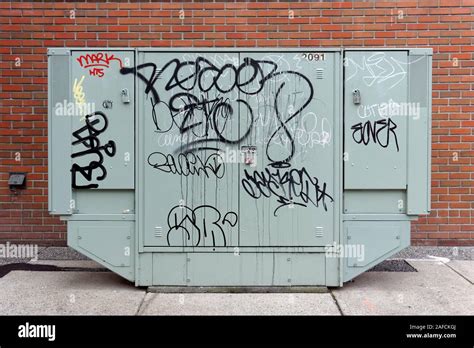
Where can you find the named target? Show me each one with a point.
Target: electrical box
(239, 167)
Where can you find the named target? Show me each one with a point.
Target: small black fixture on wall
(17, 181)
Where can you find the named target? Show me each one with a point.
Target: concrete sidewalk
(64, 283)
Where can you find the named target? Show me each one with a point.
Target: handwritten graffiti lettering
(97, 62)
(379, 132)
(188, 164)
(290, 186)
(88, 137)
(79, 94)
(201, 226)
(378, 68)
(99, 72)
(310, 132)
(201, 105)
(200, 116)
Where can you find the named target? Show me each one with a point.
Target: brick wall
(27, 29)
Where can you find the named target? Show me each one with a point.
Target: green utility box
(239, 167)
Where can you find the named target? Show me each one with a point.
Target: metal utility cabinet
(282, 167)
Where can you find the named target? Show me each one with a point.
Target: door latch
(249, 155)
(125, 96)
(356, 96)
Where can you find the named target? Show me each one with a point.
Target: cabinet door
(102, 134)
(375, 119)
(189, 117)
(287, 194)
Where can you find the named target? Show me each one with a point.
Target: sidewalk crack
(337, 303)
(462, 276)
(139, 309)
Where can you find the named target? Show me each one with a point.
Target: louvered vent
(319, 231)
(319, 74)
(158, 231)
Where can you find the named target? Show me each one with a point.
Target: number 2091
(314, 56)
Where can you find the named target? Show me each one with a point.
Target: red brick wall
(27, 29)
